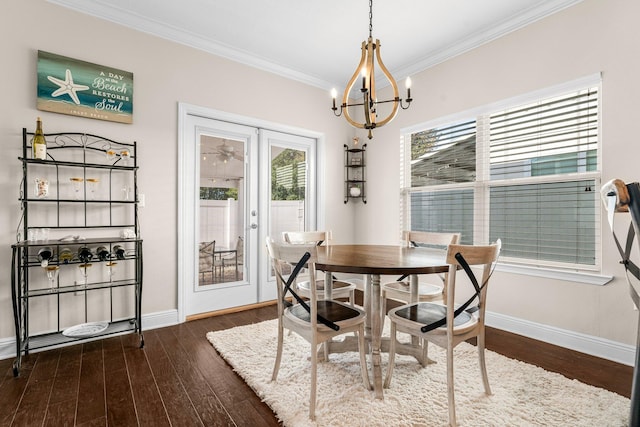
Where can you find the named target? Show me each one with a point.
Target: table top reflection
(381, 259)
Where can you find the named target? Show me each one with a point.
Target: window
(288, 175)
(525, 173)
(218, 193)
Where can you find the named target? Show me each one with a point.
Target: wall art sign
(79, 88)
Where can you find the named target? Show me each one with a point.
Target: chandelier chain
(370, 17)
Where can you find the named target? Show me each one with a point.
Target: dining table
(219, 252)
(373, 261)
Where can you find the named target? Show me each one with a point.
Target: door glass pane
(221, 210)
(288, 191)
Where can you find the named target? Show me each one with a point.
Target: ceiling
(221, 161)
(319, 42)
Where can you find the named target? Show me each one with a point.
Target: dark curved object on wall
(634, 209)
(627, 199)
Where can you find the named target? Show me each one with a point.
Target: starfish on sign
(67, 86)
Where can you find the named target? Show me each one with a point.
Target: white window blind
(553, 136)
(553, 222)
(546, 217)
(444, 155)
(528, 176)
(449, 211)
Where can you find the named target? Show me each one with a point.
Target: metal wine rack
(90, 199)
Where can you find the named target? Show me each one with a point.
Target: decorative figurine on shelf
(41, 188)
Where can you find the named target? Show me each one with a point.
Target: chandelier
(370, 102)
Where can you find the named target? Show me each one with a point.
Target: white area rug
(523, 395)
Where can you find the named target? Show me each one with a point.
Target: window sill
(550, 273)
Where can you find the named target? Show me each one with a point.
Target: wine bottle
(65, 255)
(44, 256)
(39, 144)
(103, 253)
(85, 254)
(119, 251)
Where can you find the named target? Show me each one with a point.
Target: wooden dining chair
(206, 259)
(235, 259)
(449, 325)
(340, 288)
(433, 290)
(317, 321)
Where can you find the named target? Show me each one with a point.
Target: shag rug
(523, 394)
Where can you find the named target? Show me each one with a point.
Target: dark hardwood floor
(178, 379)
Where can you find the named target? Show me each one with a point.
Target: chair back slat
(473, 254)
(428, 238)
(307, 237)
(292, 253)
(414, 238)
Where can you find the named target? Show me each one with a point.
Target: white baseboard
(595, 346)
(159, 319)
(599, 347)
(149, 321)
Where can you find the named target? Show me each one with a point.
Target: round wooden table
(373, 261)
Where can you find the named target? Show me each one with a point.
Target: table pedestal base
(350, 343)
(379, 260)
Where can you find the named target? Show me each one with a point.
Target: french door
(210, 237)
(288, 197)
(238, 183)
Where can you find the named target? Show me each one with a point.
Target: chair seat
(414, 316)
(340, 289)
(356, 281)
(341, 314)
(401, 291)
(425, 290)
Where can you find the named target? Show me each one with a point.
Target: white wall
(165, 73)
(593, 36)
